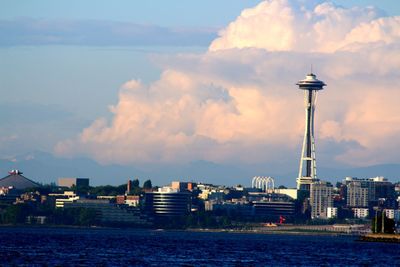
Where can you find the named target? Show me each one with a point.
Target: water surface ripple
(127, 247)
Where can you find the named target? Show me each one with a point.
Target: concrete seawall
(390, 238)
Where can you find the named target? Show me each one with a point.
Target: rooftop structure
(266, 184)
(16, 180)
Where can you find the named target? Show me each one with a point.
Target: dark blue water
(104, 247)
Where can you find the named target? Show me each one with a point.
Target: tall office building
(308, 169)
(320, 199)
(360, 193)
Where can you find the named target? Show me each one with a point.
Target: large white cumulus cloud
(238, 101)
(285, 25)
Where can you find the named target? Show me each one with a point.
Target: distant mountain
(45, 168)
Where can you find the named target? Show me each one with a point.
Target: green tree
(87, 216)
(147, 184)
(135, 183)
(376, 225)
(16, 214)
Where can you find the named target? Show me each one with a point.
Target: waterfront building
(273, 210)
(167, 201)
(107, 212)
(239, 208)
(308, 168)
(320, 199)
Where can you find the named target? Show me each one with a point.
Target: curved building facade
(168, 203)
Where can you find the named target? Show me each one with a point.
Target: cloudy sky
(175, 82)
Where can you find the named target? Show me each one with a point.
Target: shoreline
(272, 232)
(295, 230)
(385, 238)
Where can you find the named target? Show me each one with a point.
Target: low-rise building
(107, 212)
(133, 201)
(230, 208)
(273, 210)
(360, 213)
(291, 192)
(66, 197)
(183, 186)
(77, 182)
(36, 219)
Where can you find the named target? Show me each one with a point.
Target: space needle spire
(308, 169)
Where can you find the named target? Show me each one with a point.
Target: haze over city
(110, 91)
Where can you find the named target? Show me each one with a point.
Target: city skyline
(159, 91)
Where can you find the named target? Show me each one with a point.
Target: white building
(291, 192)
(360, 213)
(320, 199)
(331, 212)
(66, 197)
(359, 193)
(389, 213)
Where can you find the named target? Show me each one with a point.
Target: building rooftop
(16, 180)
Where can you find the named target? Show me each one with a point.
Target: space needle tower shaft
(308, 169)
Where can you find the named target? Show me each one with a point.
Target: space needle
(308, 169)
